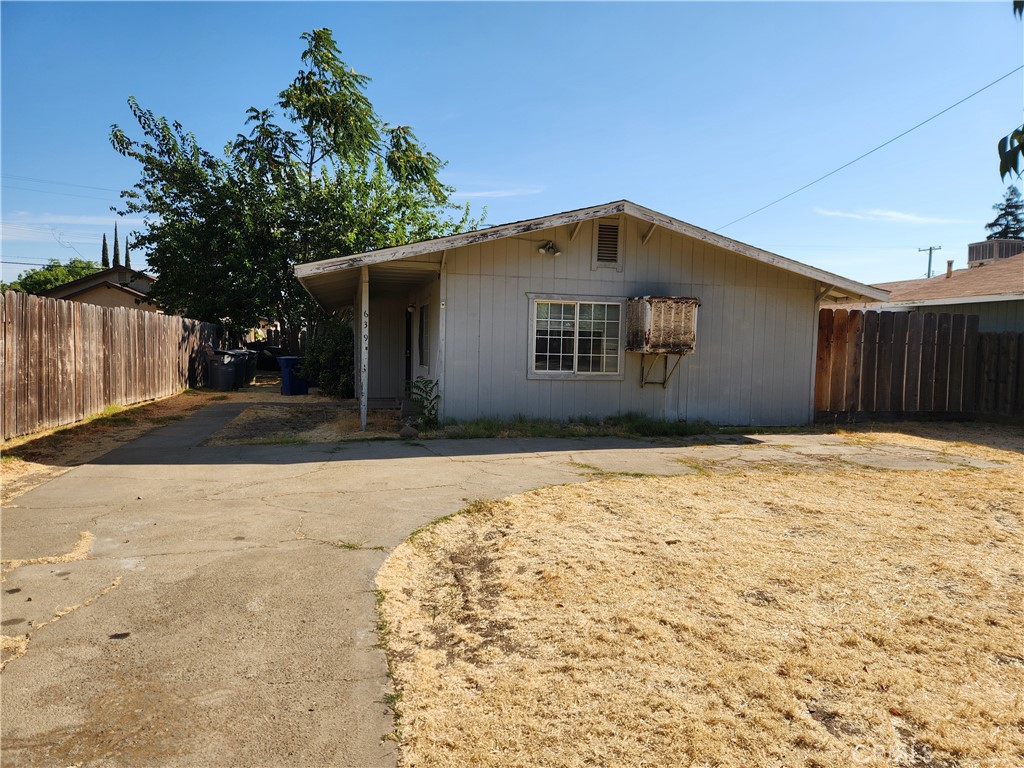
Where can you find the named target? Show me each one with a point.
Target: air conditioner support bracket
(646, 371)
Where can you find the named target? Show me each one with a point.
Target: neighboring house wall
(110, 296)
(754, 353)
(993, 316)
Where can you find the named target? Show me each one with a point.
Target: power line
(51, 192)
(89, 236)
(34, 263)
(58, 183)
(871, 152)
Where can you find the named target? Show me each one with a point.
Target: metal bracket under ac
(645, 372)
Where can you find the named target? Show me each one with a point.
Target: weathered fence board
(912, 383)
(63, 360)
(883, 382)
(839, 346)
(943, 340)
(892, 364)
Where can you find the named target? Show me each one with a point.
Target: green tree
(127, 255)
(1011, 146)
(1009, 224)
(330, 179)
(117, 247)
(52, 275)
(105, 259)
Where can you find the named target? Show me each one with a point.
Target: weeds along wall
(64, 361)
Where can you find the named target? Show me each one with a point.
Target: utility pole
(930, 248)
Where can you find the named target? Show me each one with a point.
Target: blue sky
(703, 111)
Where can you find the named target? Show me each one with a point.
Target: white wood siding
(754, 330)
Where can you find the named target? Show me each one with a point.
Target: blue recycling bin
(291, 382)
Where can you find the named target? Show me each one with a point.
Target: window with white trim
(577, 338)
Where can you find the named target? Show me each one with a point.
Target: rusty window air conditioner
(661, 325)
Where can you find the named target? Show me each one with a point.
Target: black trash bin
(291, 382)
(246, 362)
(221, 372)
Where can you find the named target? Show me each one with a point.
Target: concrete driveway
(189, 605)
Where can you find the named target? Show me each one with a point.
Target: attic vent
(608, 242)
(661, 325)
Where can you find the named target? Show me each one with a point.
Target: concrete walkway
(194, 606)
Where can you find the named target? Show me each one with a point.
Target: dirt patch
(787, 618)
(324, 422)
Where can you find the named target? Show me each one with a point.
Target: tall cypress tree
(117, 248)
(106, 255)
(127, 255)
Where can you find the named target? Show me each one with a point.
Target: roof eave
(834, 285)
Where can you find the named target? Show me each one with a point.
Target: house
(114, 287)
(993, 290)
(531, 318)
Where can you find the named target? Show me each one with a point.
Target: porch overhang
(337, 288)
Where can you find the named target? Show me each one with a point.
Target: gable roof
(996, 280)
(127, 289)
(320, 278)
(119, 276)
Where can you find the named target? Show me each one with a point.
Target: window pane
(599, 339)
(580, 338)
(554, 336)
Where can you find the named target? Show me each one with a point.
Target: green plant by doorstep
(423, 393)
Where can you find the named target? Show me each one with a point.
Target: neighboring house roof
(107, 284)
(998, 280)
(324, 280)
(118, 277)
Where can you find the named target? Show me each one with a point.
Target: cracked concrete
(224, 601)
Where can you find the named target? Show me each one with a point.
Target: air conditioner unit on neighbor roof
(659, 325)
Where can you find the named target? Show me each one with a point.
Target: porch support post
(441, 325)
(364, 335)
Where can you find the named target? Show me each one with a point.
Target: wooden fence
(64, 361)
(905, 364)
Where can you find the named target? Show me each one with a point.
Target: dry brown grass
(989, 442)
(790, 619)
